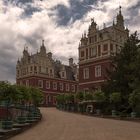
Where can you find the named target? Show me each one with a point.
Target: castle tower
(95, 56)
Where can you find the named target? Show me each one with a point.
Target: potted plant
(79, 97)
(115, 99)
(134, 102)
(100, 98)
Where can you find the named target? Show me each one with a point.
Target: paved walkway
(58, 125)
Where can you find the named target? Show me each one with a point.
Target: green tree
(69, 98)
(4, 88)
(60, 99)
(79, 96)
(88, 96)
(125, 70)
(115, 98)
(24, 94)
(36, 95)
(99, 96)
(134, 101)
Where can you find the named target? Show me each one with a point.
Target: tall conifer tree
(126, 69)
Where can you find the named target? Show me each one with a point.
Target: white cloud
(47, 4)
(63, 41)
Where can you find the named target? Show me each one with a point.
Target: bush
(134, 101)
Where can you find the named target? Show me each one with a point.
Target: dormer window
(63, 74)
(51, 72)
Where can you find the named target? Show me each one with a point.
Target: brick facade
(95, 51)
(51, 76)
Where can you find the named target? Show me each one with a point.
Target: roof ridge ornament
(43, 42)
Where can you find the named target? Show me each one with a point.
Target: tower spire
(120, 9)
(120, 20)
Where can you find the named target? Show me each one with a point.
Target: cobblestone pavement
(58, 125)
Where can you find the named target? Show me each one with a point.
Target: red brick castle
(51, 76)
(95, 52)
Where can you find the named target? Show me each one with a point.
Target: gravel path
(58, 125)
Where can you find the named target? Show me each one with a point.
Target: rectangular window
(61, 86)
(40, 83)
(31, 68)
(98, 71)
(93, 51)
(67, 87)
(95, 38)
(73, 88)
(82, 53)
(86, 53)
(55, 85)
(46, 70)
(47, 84)
(27, 70)
(86, 73)
(50, 71)
(111, 47)
(18, 72)
(91, 40)
(35, 69)
(49, 98)
(40, 69)
(99, 50)
(105, 47)
(63, 74)
(27, 82)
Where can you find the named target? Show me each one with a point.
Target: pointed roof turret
(93, 23)
(25, 52)
(92, 27)
(42, 48)
(120, 20)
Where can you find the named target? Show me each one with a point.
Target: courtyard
(59, 125)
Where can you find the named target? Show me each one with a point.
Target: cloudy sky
(59, 22)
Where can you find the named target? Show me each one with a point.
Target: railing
(17, 113)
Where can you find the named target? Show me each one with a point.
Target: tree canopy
(126, 75)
